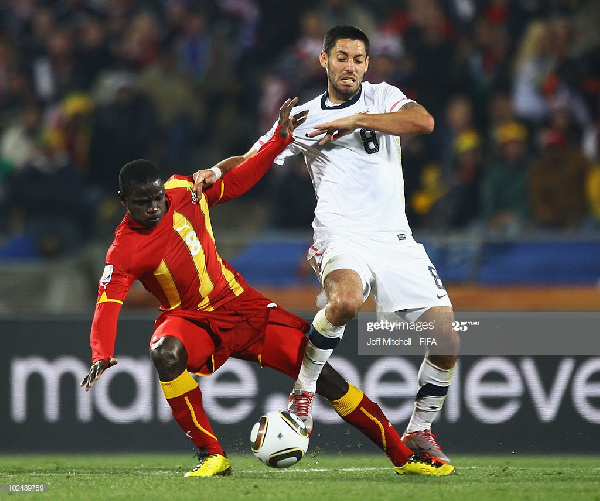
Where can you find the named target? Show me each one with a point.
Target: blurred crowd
(88, 85)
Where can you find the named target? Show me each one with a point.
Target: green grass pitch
(325, 476)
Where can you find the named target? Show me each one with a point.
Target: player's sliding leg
(185, 399)
(343, 289)
(434, 378)
(358, 410)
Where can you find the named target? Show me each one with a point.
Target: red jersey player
(209, 313)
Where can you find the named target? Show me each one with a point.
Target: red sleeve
(112, 290)
(104, 331)
(238, 181)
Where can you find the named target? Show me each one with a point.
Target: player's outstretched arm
(410, 120)
(96, 370)
(205, 178)
(239, 180)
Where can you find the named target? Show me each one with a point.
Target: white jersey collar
(326, 104)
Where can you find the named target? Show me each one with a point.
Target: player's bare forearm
(412, 119)
(232, 162)
(205, 178)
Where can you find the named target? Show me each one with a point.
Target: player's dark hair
(341, 32)
(137, 173)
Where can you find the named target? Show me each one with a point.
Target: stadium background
(49, 267)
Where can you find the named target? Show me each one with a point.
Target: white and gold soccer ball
(279, 439)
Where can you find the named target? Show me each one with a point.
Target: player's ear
(366, 63)
(123, 199)
(323, 59)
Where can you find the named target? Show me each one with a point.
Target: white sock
(433, 386)
(322, 339)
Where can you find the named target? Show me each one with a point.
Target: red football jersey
(177, 260)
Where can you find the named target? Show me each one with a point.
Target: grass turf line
(324, 476)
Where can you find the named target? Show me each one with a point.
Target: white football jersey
(358, 179)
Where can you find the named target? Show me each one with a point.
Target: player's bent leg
(434, 378)
(323, 337)
(185, 399)
(344, 290)
(345, 296)
(169, 357)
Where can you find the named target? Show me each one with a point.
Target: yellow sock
(180, 385)
(350, 401)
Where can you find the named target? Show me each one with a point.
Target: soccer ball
(279, 439)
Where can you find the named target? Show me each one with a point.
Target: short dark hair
(136, 173)
(343, 31)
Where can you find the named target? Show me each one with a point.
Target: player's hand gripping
(335, 129)
(96, 371)
(203, 179)
(289, 124)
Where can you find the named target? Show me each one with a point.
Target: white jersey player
(358, 179)
(363, 244)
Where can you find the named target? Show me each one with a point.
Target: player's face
(346, 65)
(146, 205)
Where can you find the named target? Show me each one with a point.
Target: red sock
(358, 410)
(185, 398)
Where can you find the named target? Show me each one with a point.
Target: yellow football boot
(423, 464)
(210, 465)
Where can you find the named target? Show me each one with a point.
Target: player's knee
(169, 357)
(343, 306)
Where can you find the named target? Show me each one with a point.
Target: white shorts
(394, 269)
